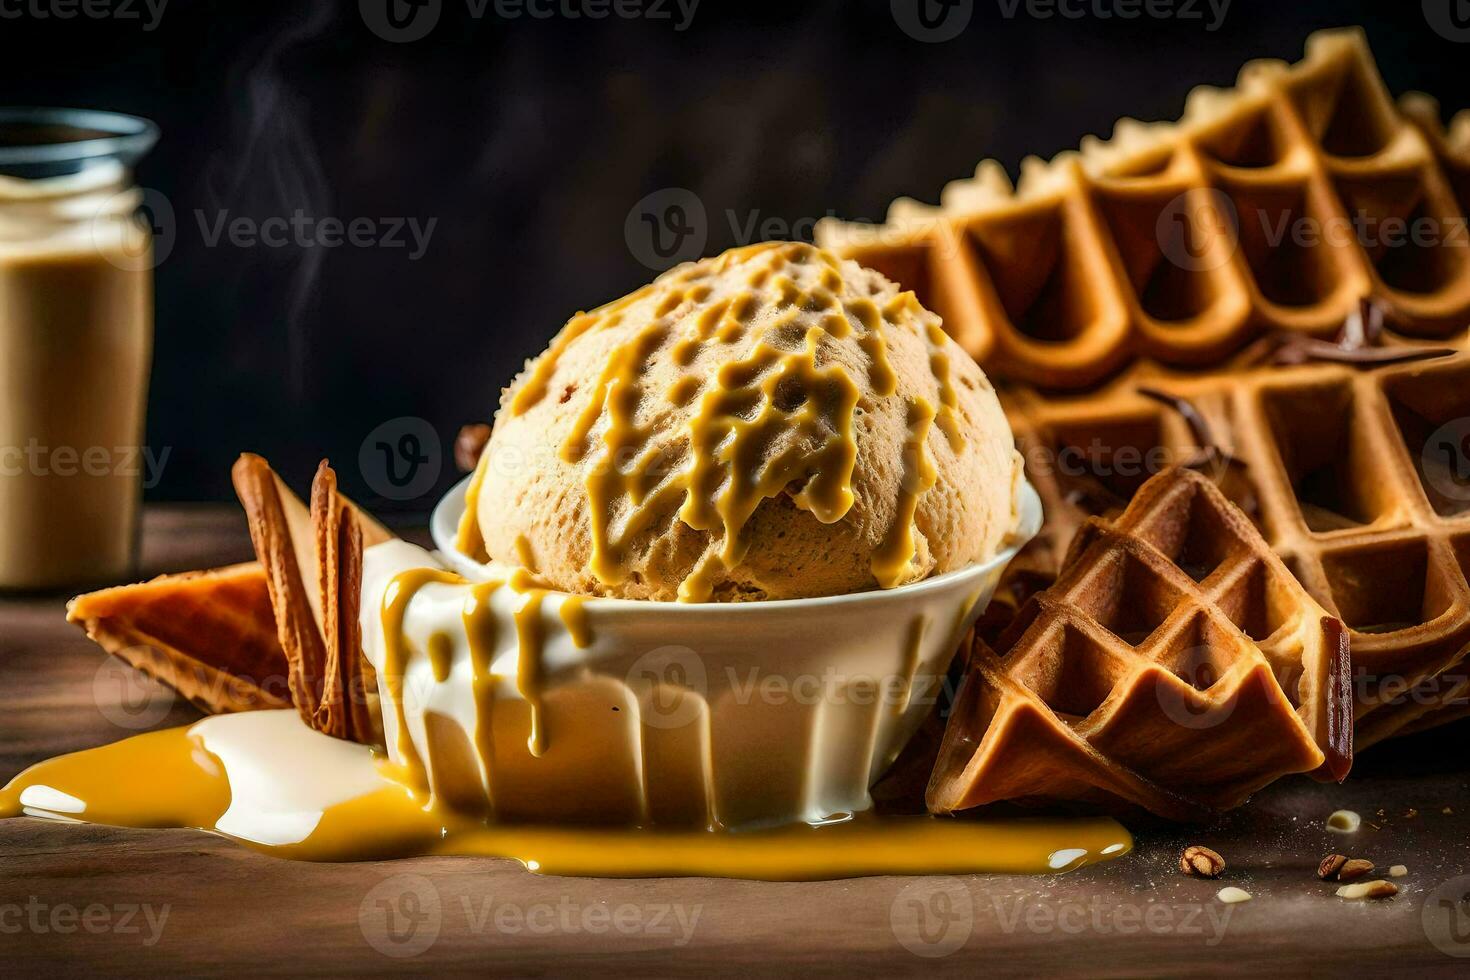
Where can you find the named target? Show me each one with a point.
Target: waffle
(209, 635)
(1181, 242)
(1174, 666)
(1356, 478)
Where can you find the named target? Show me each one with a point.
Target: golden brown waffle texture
(1359, 480)
(1174, 666)
(1269, 210)
(1274, 206)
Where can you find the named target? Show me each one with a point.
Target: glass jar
(76, 340)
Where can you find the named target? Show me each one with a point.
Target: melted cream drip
(480, 625)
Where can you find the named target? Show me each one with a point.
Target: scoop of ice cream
(771, 423)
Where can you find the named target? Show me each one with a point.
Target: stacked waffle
(1273, 291)
(1275, 206)
(1352, 476)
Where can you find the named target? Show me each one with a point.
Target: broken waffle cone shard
(281, 531)
(1133, 682)
(349, 688)
(210, 635)
(1160, 243)
(312, 558)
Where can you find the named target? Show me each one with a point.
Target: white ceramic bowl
(737, 714)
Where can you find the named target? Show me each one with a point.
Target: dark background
(530, 141)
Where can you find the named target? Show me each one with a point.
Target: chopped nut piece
(1201, 862)
(1330, 866)
(1344, 822)
(469, 444)
(1397, 871)
(1369, 889)
(1355, 869)
(1231, 895)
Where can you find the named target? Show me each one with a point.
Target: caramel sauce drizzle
(172, 778)
(892, 558)
(531, 637)
(573, 613)
(469, 539)
(480, 627)
(746, 447)
(396, 597)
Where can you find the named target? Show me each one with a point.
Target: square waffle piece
(1359, 480)
(1271, 207)
(1175, 666)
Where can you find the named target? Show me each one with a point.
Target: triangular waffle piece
(209, 635)
(1182, 242)
(1175, 666)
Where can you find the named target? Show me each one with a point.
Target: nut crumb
(1369, 889)
(1201, 862)
(1231, 895)
(1398, 871)
(469, 444)
(1447, 810)
(1329, 866)
(1344, 822)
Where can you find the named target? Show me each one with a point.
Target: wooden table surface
(77, 899)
